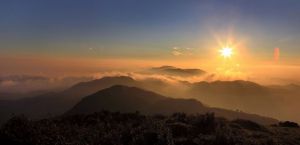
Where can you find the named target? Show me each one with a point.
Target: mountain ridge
(131, 99)
(59, 102)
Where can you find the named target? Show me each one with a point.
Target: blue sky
(140, 28)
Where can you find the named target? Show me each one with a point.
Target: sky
(77, 36)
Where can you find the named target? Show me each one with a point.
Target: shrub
(205, 124)
(250, 125)
(288, 124)
(106, 128)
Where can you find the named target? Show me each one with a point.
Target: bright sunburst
(226, 52)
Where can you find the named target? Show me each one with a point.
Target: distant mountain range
(131, 99)
(15, 96)
(278, 102)
(51, 104)
(233, 95)
(242, 95)
(174, 71)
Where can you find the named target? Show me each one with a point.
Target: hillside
(232, 95)
(241, 95)
(131, 99)
(51, 104)
(105, 128)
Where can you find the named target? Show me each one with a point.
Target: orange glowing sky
(58, 38)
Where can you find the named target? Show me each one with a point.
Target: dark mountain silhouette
(52, 104)
(57, 103)
(240, 95)
(234, 95)
(288, 87)
(131, 99)
(118, 98)
(174, 71)
(15, 96)
(229, 88)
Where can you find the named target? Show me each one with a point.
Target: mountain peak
(131, 99)
(123, 87)
(127, 91)
(118, 98)
(107, 81)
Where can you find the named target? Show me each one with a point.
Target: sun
(226, 52)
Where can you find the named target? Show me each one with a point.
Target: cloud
(23, 78)
(176, 48)
(29, 83)
(170, 74)
(178, 51)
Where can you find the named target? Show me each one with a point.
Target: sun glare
(226, 52)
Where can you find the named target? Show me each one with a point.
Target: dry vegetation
(106, 128)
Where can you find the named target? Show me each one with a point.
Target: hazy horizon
(80, 38)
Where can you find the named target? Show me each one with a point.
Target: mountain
(238, 87)
(118, 98)
(174, 71)
(15, 96)
(233, 95)
(131, 99)
(238, 95)
(56, 103)
(51, 104)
